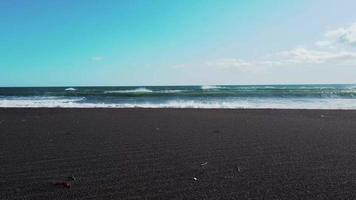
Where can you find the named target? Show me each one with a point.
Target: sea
(204, 97)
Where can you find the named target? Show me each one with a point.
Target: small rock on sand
(64, 184)
(203, 164)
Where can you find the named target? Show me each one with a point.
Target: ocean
(208, 96)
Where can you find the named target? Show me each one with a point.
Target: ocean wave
(252, 103)
(143, 90)
(210, 87)
(39, 102)
(138, 90)
(70, 89)
(170, 91)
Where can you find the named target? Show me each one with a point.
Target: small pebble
(63, 184)
(203, 164)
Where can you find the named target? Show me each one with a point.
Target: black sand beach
(177, 154)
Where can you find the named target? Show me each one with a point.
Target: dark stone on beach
(64, 184)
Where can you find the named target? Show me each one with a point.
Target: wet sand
(177, 154)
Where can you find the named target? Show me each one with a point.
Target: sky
(176, 42)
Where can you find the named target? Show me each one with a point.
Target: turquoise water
(232, 96)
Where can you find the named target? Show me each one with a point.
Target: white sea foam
(170, 91)
(64, 102)
(210, 87)
(138, 90)
(37, 102)
(70, 89)
(142, 90)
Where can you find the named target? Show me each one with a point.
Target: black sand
(177, 154)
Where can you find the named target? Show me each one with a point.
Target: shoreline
(185, 153)
(173, 108)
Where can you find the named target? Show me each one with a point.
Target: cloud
(325, 52)
(343, 35)
(330, 51)
(296, 56)
(307, 56)
(97, 58)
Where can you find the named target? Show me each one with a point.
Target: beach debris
(157, 129)
(195, 178)
(72, 178)
(203, 164)
(238, 169)
(64, 184)
(322, 116)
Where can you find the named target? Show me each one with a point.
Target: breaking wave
(138, 90)
(211, 87)
(70, 89)
(282, 103)
(255, 96)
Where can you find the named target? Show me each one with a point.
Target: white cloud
(97, 58)
(308, 56)
(343, 35)
(329, 52)
(296, 56)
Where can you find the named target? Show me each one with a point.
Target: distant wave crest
(70, 89)
(138, 90)
(143, 90)
(211, 87)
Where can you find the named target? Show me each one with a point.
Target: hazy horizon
(172, 85)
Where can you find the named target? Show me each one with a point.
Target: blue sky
(183, 42)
